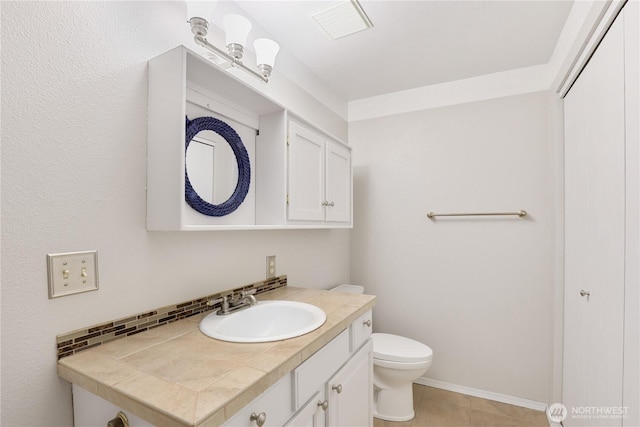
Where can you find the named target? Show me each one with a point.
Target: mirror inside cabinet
(212, 167)
(217, 165)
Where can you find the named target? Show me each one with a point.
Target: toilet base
(389, 418)
(395, 404)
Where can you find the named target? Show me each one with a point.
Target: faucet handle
(249, 292)
(212, 302)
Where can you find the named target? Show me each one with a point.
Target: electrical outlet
(72, 273)
(271, 266)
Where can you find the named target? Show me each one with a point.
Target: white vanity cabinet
(345, 399)
(319, 179)
(334, 387)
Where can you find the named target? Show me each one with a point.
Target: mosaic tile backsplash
(93, 336)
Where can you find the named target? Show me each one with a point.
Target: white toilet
(397, 363)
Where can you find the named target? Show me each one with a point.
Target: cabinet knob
(324, 405)
(584, 293)
(331, 204)
(367, 323)
(119, 421)
(337, 388)
(325, 203)
(258, 418)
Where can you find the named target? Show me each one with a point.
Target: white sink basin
(264, 322)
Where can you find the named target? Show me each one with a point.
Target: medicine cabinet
(319, 177)
(183, 84)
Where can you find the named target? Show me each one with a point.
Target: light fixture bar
(199, 28)
(233, 61)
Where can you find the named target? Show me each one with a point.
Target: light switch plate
(72, 273)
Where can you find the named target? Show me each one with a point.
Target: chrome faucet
(230, 305)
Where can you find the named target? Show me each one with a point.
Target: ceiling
(415, 43)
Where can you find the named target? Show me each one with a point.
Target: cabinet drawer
(313, 373)
(361, 330)
(275, 403)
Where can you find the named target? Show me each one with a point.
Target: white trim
(556, 156)
(581, 16)
(597, 24)
(489, 395)
(631, 366)
(488, 86)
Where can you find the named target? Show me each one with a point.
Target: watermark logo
(557, 412)
(599, 412)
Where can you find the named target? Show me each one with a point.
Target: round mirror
(204, 150)
(211, 163)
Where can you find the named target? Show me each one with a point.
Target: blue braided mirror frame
(242, 158)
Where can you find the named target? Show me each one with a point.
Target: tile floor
(440, 408)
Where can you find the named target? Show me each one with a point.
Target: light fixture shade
(266, 51)
(237, 29)
(200, 9)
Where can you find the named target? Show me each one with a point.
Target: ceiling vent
(343, 19)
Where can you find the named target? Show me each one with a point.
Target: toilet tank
(348, 289)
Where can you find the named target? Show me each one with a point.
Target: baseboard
(489, 395)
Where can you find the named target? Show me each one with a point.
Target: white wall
(73, 178)
(478, 291)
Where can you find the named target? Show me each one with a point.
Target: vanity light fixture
(237, 29)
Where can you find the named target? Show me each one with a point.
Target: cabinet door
(350, 391)
(338, 181)
(312, 414)
(306, 174)
(595, 234)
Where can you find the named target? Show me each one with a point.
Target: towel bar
(520, 213)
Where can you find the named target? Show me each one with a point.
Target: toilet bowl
(397, 362)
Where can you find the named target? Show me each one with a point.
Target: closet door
(595, 235)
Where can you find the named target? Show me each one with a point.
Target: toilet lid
(395, 348)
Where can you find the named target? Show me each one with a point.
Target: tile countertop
(174, 375)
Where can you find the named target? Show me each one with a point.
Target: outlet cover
(72, 273)
(271, 266)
